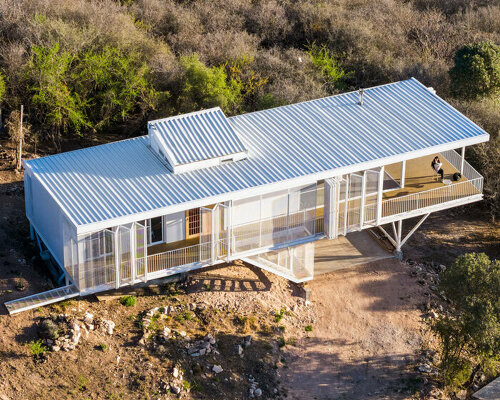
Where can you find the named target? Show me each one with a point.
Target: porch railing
(431, 197)
(197, 253)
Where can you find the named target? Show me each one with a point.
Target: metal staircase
(41, 299)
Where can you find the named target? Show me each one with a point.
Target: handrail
(455, 159)
(430, 197)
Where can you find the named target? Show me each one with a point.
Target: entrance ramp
(41, 299)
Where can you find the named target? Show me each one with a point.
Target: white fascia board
(211, 162)
(276, 186)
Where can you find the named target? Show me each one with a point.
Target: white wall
(47, 218)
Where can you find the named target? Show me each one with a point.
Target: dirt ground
(360, 338)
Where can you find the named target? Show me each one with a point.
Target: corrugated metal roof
(297, 141)
(198, 136)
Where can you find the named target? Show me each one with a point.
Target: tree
(48, 71)
(18, 130)
(116, 85)
(470, 334)
(329, 66)
(206, 87)
(476, 71)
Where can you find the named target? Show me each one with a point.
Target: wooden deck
(419, 176)
(163, 247)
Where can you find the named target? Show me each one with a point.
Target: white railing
(455, 159)
(431, 197)
(198, 253)
(272, 231)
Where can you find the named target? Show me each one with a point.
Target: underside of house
(202, 189)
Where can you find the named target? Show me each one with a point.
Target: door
(193, 223)
(140, 251)
(206, 236)
(124, 254)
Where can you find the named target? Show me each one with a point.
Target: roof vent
(361, 91)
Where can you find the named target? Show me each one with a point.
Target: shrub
(103, 347)
(128, 301)
(476, 71)
(308, 328)
(48, 329)
(328, 65)
(470, 335)
(206, 87)
(37, 348)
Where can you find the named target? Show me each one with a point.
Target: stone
(239, 350)
(258, 392)
(88, 318)
(55, 348)
(108, 326)
(175, 389)
(183, 333)
(424, 368)
(202, 352)
(248, 340)
(175, 373)
(217, 369)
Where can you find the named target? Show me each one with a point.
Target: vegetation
(470, 334)
(128, 301)
(86, 67)
(37, 348)
(476, 71)
(308, 328)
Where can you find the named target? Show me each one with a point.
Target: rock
(217, 369)
(76, 334)
(175, 389)
(239, 350)
(55, 348)
(152, 312)
(3, 397)
(88, 318)
(248, 341)
(183, 333)
(202, 352)
(258, 392)
(108, 326)
(424, 368)
(175, 373)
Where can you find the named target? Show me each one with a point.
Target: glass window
(156, 230)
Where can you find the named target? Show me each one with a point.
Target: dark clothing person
(436, 166)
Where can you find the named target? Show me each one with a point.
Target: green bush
(206, 87)
(37, 348)
(128, 301)
(476, 71)
(328, 65)
(470, 334)
(308, 328)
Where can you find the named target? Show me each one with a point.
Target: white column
(400, 229)
(463, 160)
(146, 251)
(380, 190)
(362, 208)
(403, 173)
(117, 256)
(346, 205)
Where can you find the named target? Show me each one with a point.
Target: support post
(117, 256)
(346, 205)
(133, 253)
(403, 174)
(380, 190)
(414, 229)
(462, 161)
(363, 194)
(229, 226)
(400, 229)
(146, 251)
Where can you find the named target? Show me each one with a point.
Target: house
(201, 189)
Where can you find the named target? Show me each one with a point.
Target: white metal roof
(291, 145)
(196, 137)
